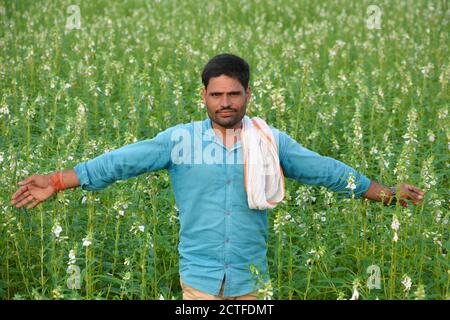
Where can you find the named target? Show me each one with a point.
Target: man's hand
(36, 188)
(409, 192)
(378, 192)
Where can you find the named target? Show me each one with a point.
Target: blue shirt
(219, 234)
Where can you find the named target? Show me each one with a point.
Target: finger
(19, 192)
(408, 192)
(419, 199)
(21, 197)
(24, 201)
(27, 180)
(33, 204)
(416, 197)
(416, 190)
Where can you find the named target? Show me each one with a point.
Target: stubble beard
(229, 122)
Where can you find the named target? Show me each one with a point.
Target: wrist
(392, 199)
(56, 182)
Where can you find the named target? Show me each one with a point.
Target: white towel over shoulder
(263, 176)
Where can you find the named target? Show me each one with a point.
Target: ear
(204, 95)
(248, 93)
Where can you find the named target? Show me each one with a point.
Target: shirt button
(226, 266)
(227, 213)
(227, 240)
(228, 181)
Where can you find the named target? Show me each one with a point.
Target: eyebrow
(231, 92)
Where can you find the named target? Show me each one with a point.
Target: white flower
(57, 229)
(395, 237)
(304, 196)
(355, 295)
(266, 291)
(127, 261)
(1, 157)
(373, 150)
(4, 110)
(86, 242)
(127, 276)
(56, 294)
(81, 109)
(121, 213)
(426, 69)
(135, 229)
(407, 283)
(351, 182)
(395, 224)
(420, 292)
(340, 43)
(341, 296)
(67, 85)
(161, 297)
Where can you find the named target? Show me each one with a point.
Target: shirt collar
(209, 135)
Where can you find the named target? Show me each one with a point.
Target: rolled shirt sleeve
(312, 168)
(126, 162)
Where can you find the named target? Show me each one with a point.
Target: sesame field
(364, 82)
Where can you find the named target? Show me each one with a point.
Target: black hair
(229, 65)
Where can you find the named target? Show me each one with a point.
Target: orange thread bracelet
(57, 182)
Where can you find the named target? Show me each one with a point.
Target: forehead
(224, 83)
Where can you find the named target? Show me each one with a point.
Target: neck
(223, 130)
(229, 135)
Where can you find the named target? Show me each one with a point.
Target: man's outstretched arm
(96, 174)
(311, 168)
(38, 188)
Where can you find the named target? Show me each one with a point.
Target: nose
(225, 101)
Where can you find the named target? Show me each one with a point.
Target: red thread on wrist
(57, 182)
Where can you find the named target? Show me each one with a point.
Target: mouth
(227, 113)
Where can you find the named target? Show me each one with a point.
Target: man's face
(226, 101)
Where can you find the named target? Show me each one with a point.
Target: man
(221, 237)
